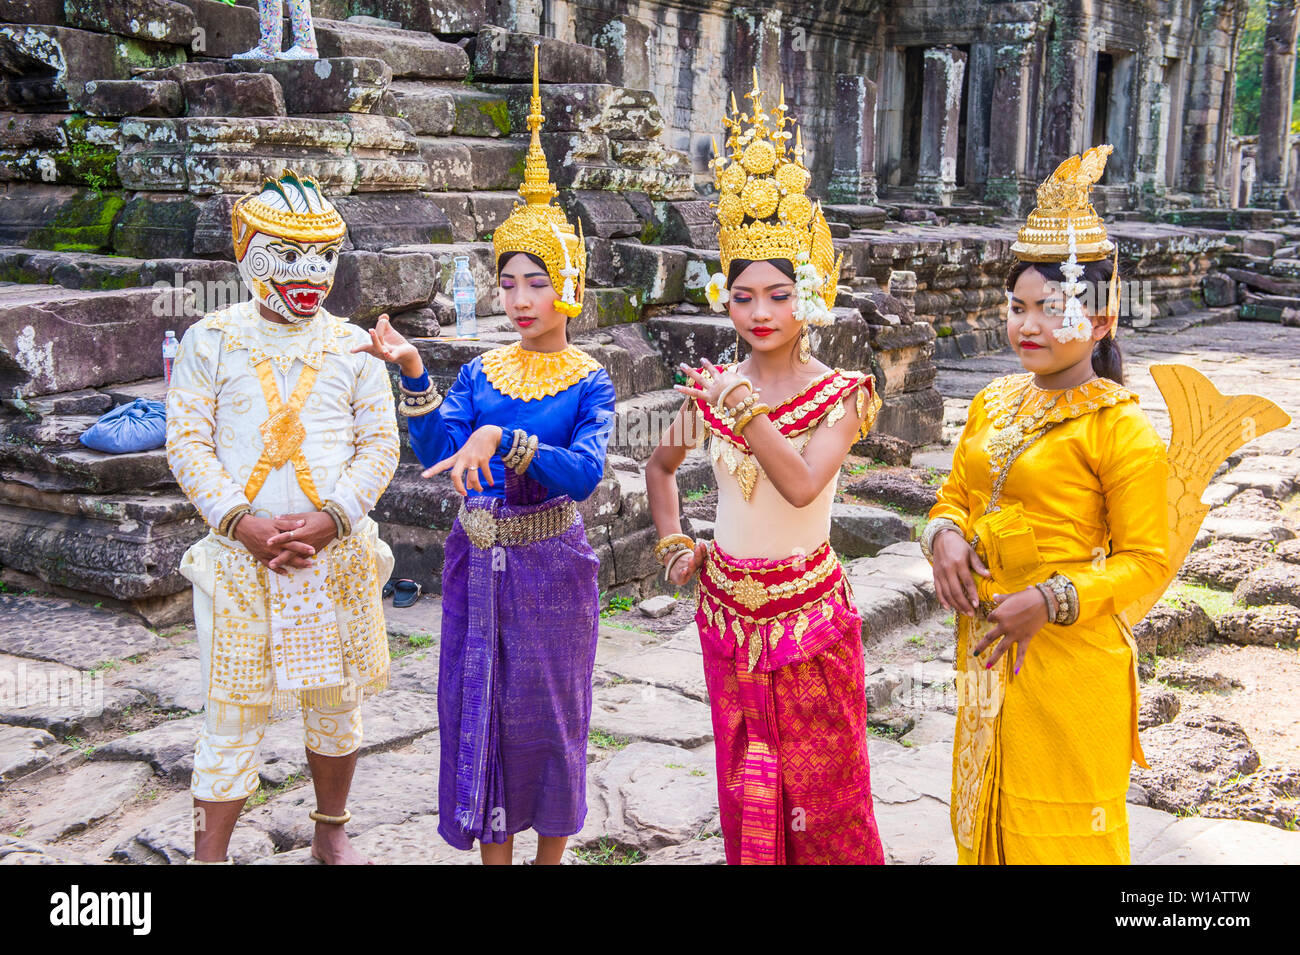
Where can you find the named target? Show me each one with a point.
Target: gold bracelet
(517, 443)
(414, 404)
(527, 458)
(226, 528)
(932, 530)
(340, 516)
(721, 403)
(749, 416)
(672, 542)
(1067, 599)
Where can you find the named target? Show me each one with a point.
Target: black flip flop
(388, 589)
(406, 593)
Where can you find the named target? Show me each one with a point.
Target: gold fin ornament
(1207, 426)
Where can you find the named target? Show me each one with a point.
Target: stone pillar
(1010, 182)
(936, 174)
(853, 180)
(1275, 91)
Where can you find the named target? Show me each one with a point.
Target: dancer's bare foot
(332, 846)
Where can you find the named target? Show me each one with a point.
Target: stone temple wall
(1019, 86)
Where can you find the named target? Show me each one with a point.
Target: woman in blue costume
(523, 433)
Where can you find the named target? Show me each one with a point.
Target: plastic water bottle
(170, 347)
(465, 296)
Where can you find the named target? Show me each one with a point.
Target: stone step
(57, 62)
(641, 421)
(491, 163)
(58, 149)
(474, 215)
(500, 54)
(444, 17)
(618, 112)
(345, 84)
(345, 153)
(481, 263)
(408, 53)
(449, 109)
(125, 547)
(56, 340)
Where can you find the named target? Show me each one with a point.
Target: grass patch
(266, 792)
(695, 495)
(608, 740)
(1213, 602)
(606, 852)
(617, 605)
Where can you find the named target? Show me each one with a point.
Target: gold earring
(805, 346)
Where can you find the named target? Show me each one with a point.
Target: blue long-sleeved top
(572, 428)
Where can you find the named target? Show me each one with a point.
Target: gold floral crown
(308, 216)
(1062, 203)
(539, 227)
(1064, 228)
(762, 210)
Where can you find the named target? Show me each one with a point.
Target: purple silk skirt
(519, 630)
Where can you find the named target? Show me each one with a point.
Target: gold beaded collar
(1016, 396)
(519, 373)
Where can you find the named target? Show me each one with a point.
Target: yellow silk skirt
(1041, 758)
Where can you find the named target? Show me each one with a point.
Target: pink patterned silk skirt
(783, 663)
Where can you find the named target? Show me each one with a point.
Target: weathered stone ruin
(127, 132)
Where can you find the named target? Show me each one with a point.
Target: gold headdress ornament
(1064, 228)
(763, 212)
(309, 216)
(539, 227)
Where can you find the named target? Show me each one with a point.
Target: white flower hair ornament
(716, 292)
(809, 305)
(1075, 325)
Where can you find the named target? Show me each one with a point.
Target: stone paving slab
(644, 711)
(60, 699)
(66, 804)
(61, 631)
(24, 750)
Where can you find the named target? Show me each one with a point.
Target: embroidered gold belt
(774, 591)
(484, 529)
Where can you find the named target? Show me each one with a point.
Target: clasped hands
(1015, 617)
(290, 540)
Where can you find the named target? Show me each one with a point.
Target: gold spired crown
(290, 208)
(763, 212)
(539, 226)
(1062, 202)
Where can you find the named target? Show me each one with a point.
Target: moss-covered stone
(84, 224)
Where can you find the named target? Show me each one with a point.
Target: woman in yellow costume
(1052, 521)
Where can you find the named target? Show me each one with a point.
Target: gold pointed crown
(539, 226)
(290, 208)
(763, 212)
(1062, 202)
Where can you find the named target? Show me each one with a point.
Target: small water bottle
(465, 297)
(170, 347)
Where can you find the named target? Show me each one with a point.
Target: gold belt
(484, 529)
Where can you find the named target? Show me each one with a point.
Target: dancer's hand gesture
(387, 344)
(686, 567)
(955, 567)
(474, 455)
(1016, 618)
(709, 388)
